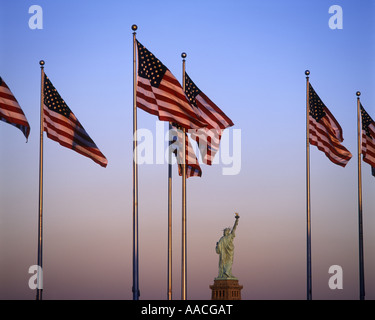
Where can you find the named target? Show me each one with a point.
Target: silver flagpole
(135, 288)
(39, 292)
(360, 221)
(184, 225)
(170, 216)
(308, 199)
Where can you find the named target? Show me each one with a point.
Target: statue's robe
(225, 248)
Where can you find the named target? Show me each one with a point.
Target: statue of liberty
(225, 249)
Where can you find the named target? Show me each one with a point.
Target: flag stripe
(368, 139)
(371, 128)
(70, 126)
(331, 141)
(208, 141)
(325, 132)
(5, 91)
(334, 126)
(14, 117)
(77, 148)
(212, 114)
(56, 133)
(368, 150)
(57, 127)
(166, 102)
(208, 138)
(327, 143)
(163, 113)
(5, 94)
(159, 93)
(10, 110)
(62, 126)
(192, 165)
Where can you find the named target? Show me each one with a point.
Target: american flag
(10, 110)
(325, 131)
(62, 125)
(368, 139)
(192, 165)
(159, 92)
(208, 138)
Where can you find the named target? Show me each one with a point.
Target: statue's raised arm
(235, 224)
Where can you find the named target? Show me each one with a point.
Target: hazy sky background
(249, 57)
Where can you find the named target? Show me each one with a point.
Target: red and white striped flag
(159, 92)
(325, 131)
(10, 110)
(192, 165)
(368, 139)
(62, 126)
(208, 138)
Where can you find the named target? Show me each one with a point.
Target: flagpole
(184, 225)
(135, 288)
(39, 292)
(360, 221)
(308, 199)
(170, 215)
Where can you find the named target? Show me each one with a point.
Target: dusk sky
(249, 57)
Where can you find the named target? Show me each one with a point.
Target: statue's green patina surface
(225, 249)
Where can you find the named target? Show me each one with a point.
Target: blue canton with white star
(149, 66)
(316, 105)
(191, 90)
(366, 121)
(53, 100)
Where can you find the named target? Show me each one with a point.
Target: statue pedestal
(226, 289)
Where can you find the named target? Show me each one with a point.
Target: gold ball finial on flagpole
(358, 93)
(41, 62)
(307, 72)
(134, 27)
(183, 55)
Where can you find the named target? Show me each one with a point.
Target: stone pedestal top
(226, 289)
